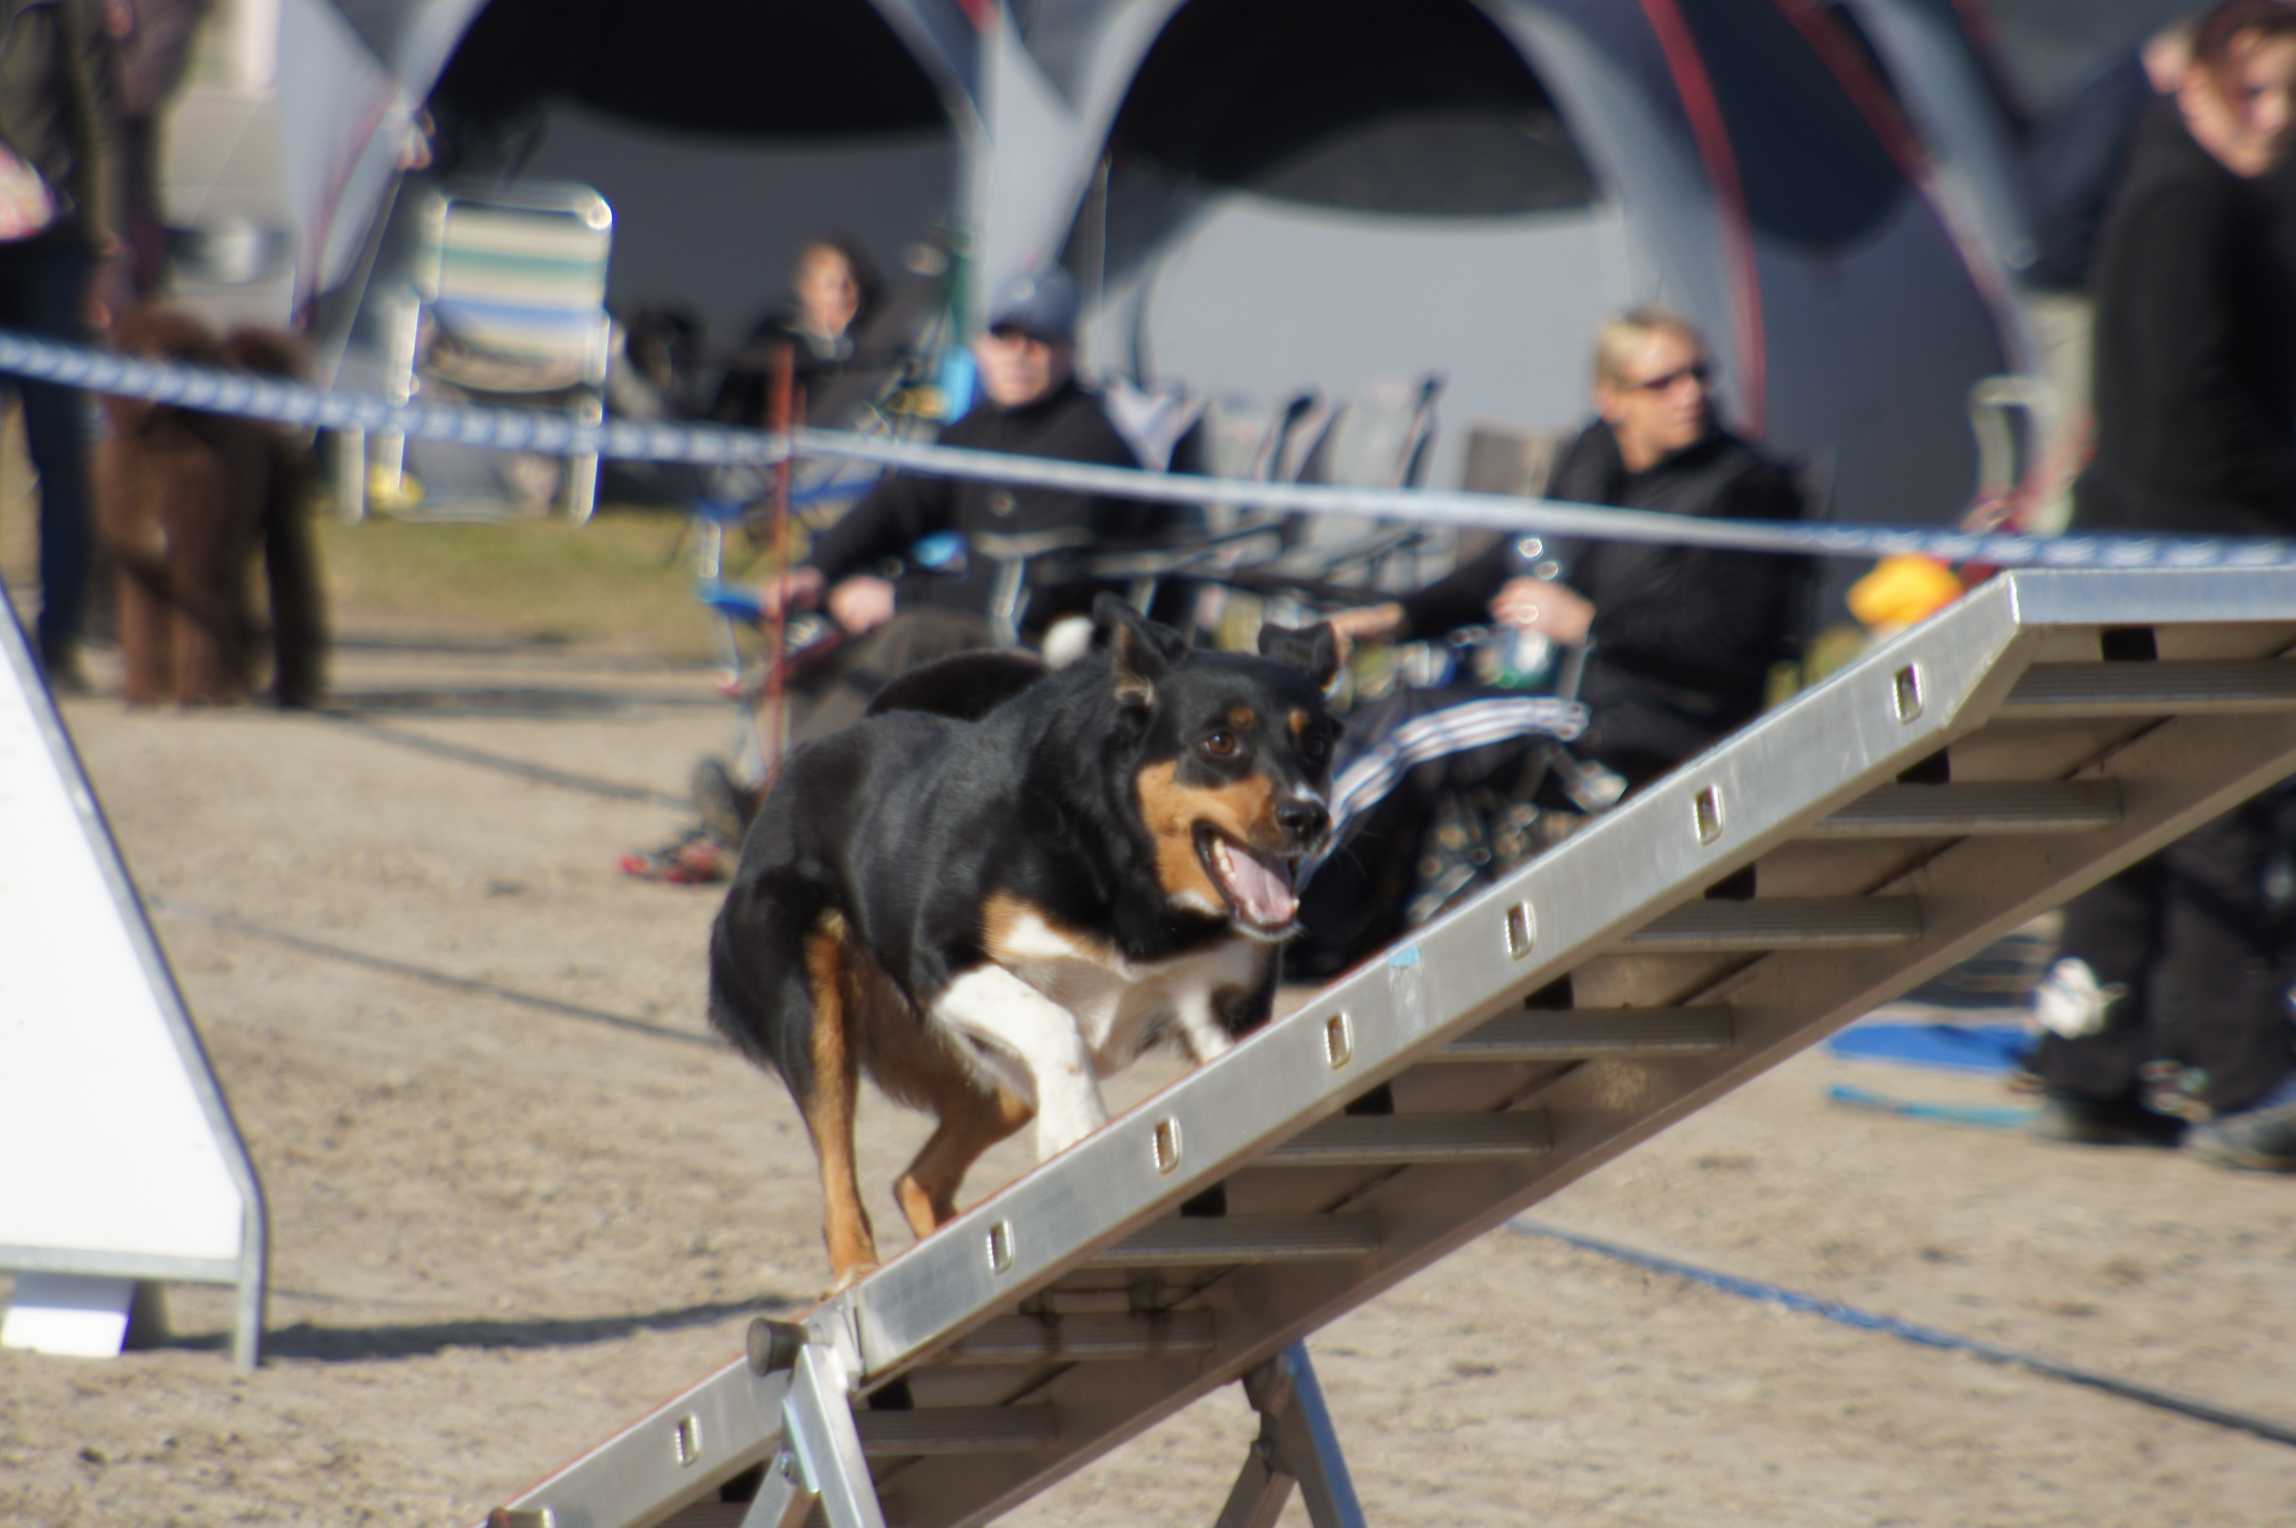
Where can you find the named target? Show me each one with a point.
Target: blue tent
(1328, 192)
(1288, 193)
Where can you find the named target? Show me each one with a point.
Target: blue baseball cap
(1038, 303)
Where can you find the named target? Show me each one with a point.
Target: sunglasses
(1698, 371)
(1013, 334)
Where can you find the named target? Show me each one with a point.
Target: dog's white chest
(1117, 1003)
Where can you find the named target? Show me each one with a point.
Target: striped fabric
(523, 281)
(1366, 780)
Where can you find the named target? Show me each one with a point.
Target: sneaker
(2072, 1120)
(725, 806)
(2255, 1140)
(694, 859)
(59, 664)
(2070, 1002)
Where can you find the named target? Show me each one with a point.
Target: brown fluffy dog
(184, 501)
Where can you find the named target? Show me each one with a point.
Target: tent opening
(695, 65)
(1416, 111)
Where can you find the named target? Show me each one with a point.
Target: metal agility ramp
(1961, 778)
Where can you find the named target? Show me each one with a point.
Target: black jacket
(1683, 637)
(836, 378)
(1069, 425)
(2195, 384)
(59, 108)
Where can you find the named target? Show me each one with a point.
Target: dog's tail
(759, 995)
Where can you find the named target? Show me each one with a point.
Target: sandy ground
(517, 1197)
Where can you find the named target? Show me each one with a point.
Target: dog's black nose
(1302, 821)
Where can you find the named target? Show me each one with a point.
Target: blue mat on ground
(1984, 1048)
(1983, 1116)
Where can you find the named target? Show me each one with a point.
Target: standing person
(2168, 1003)
(1030, 404)
(1679, 641)
(59, 231)
(153, 41)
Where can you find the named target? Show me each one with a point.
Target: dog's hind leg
(145, 618)
(830, 1099)
(291, 577)
(127, 521)
(971, 1121)
(206, 575)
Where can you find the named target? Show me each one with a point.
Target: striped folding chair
(509, 306)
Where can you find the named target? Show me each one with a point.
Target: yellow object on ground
(1902, 590)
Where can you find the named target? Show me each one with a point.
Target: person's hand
(797, 589)
(1553, 611)
(1364, 623)
(109, 289)
(861, 603)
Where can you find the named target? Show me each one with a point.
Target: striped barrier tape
(555, 434)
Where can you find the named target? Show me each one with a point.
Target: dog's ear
(1312, 648)
(1137, 658)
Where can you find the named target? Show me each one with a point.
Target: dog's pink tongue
(1262, 892)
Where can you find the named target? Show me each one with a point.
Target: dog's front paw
(1055, 1133)
(847, 1278)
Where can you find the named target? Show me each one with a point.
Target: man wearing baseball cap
(1030, 405)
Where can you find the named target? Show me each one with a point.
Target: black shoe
(724, 806)
(60, 667)
(2074, 1120)
(2259, 1140)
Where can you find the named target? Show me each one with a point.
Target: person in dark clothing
(825, 328)
(2195, 381)
(154, 40)
(2078, 156)
(2168, 1005)
(59, 234)
(1031, 405)
(1678, 641)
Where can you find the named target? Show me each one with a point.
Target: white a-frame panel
(118, 1155)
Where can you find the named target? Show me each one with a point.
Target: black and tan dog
(184, 503)
(1005, 883)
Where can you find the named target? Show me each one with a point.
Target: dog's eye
(1315, 747)
(1221, 744)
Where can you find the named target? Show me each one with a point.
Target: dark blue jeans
(2200, 938)
(43, 292)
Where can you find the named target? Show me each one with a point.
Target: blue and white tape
(557, 434)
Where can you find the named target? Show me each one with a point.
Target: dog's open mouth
(1257, 887)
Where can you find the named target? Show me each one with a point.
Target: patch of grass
(612, 583)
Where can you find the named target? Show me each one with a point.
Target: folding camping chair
(507, 303)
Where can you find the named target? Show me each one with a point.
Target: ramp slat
(2187, 687)
(1584, 1033)
(956, 1430)
(1962, 811)
(1782, 923)
(1243, 1239)
(1013, 1340)
(1387, 1140)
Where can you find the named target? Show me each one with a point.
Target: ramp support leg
(1297, 1444)
(820, 1459)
